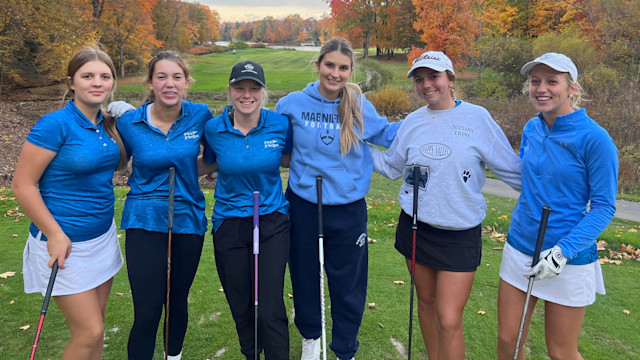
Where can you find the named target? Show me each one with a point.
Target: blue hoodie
(316, 147)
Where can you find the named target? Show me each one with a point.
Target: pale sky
(249, 10)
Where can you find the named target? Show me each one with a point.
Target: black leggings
(146, 253)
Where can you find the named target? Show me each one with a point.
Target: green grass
(285, 70)
(607, 332)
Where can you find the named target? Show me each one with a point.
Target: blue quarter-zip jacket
(572, 167)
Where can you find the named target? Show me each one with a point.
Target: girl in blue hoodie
(331, 119)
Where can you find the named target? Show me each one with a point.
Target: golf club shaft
(45, 306)
(414, 228)
(321, 259)
(256, 251)
(536, 257)
(172, 184)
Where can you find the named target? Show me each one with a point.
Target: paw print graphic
(466, 175)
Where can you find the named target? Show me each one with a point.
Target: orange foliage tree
(127, 31)
(447, 26)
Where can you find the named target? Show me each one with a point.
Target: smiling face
(246, 96)
(333, 71)
(434, 87)
(550, 92)
(92, 85)
(168, 83)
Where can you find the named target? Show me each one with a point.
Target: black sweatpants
(233, 248)
(146, 253)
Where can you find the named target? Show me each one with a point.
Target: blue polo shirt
(247, 164)
(77, 185)
(154, 152)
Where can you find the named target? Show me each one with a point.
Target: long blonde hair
(350, 106)
(83, 56)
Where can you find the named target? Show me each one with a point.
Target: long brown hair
(166, 55)
(350, 106)
(83, 56)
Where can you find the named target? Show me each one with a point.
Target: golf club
(536, 255)
(45, 306)
(172, 183)
(256, 251)
(414, 228)
(321, 258)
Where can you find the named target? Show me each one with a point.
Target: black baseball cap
(247, 70)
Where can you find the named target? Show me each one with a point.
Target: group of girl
(63, 182)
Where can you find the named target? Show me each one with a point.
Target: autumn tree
(614, 27)
(447, 26)
(355, 20)
(168, 23)
(38, 36)
(394, 26)
(127, 30)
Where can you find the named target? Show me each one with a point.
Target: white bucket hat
(435, 60)
(557, 62)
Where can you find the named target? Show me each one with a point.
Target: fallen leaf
(7, 274)
(119, 293)
(633, 230)
(626, 312)
(503, 217)
(23, 328)
(14, 235)
(11, 302)
(221, 290)
(481, 312)
(290, 296)
(371, 241)
(497, 248)
(399, 282)
(380, 324)
(119, 236)
(371, 305)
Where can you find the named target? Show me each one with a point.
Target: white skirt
(576, 286)
(90, 264)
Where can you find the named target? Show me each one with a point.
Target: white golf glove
(118, 108)
(551, 263)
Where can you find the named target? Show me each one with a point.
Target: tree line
(604, 35)
(38, 36)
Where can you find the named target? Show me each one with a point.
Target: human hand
(118, 108)
(551, 263)
(59, 248)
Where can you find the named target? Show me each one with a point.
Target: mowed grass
(608, 332)
(285, 70)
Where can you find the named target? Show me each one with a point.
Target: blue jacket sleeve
(601, 159)
(377, 129)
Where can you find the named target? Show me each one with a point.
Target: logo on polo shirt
(191, 135)
(271, 144)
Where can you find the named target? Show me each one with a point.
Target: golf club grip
(256, 220)
(319, 188)
(546, 210)
(52, 280)
(172, 186)
(416, 183)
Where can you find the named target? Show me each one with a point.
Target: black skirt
(449, 250)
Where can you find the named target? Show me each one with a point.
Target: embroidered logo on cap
(249, 68)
